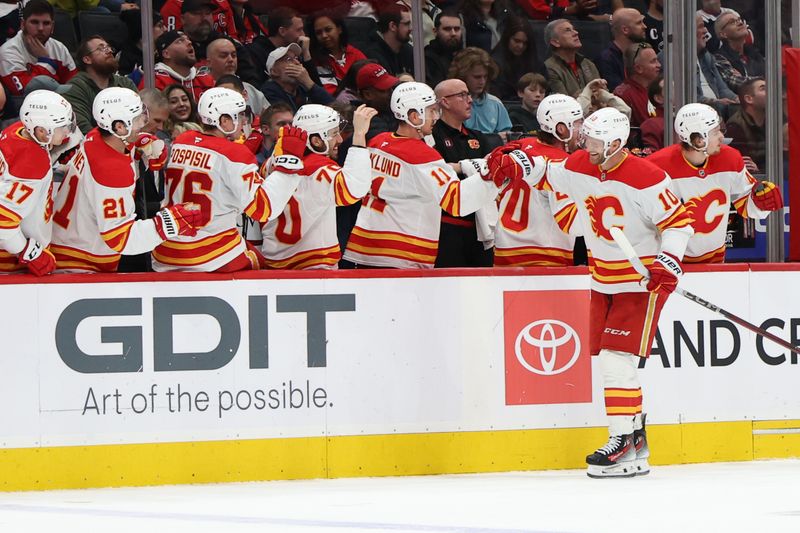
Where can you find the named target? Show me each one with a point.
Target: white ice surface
(725, 497)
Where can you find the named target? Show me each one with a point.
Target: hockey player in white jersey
(537, 228)
(304, 235)
(95, 216)
(222, 176)
(708, 175)
(26, 182)
(398, 224)
(612, 188)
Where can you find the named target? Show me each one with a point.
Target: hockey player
(304, 235)
(536, 228)
(612, 188)
(26, 181)
(708, 175)
(220, 175)
(95, 216)
(398, 224)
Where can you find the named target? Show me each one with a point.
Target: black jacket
(395, 64)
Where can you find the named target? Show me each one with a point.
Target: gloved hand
(289, 150)
(767, 196)
(664, 273)
(505, 166)
(38, 259)
(178, 219)
(152, 149)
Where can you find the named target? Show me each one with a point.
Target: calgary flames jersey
(304, 235)
(707, 193)
(398, 224)
(635, 196)
(95, 215)
(26, 186)
(222, 177)
(536, 228)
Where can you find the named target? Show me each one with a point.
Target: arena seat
(107, 25)
(64, 30)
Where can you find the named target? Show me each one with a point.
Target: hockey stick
(623, 242)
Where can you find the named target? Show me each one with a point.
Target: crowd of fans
(491, 62)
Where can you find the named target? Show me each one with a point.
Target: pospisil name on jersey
(130, 357)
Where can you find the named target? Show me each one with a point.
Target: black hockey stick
(623, 242)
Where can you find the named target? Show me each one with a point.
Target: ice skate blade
(625, 469)
(642, 467)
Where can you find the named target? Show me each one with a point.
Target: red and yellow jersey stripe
(341, 193)
(566, 217)
(197, 252)
(679, 218)
(317, 258)
(614, 272)
(451, 201)
(72, 258)
(260, 207)
(9, 262)
(714, 256)
(393, 244)
(8, 218)
(532, 256)
(117, 238)
(623, 402)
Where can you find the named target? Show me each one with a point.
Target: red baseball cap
(375, 76)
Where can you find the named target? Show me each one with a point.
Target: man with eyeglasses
(98, 66)
(390, 44)
(736, 60)
(642, 68)
(290, 82)
(709, 12)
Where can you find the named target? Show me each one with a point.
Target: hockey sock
(623, 393)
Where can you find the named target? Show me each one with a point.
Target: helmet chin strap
(607, 156)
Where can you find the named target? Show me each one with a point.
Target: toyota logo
(558, 345)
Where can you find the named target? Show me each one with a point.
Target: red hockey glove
(152, 149)
(512, 166)
(178, 219)
(289, 150)
(664, 274)
(767, 196)
(39, 260)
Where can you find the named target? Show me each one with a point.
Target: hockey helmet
(411, 96)
(118, 104)
(48, 110)
(219, 101)
(320, 120)
(558, 108)
(695, 118)
(607, 125)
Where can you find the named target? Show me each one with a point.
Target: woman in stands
(182, 110)
(330, 51)
(515, 54)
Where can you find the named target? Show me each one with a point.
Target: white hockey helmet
(695, 119)
(219, 101)
(320, 120)
(556, 109)
(411, 96)
(118, 104)
(607, 125)
(48, 110)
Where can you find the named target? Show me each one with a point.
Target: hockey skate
(616, 459)
(642, 449)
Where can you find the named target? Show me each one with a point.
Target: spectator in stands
(349, 90)
(709, 12)
(375, 87)
(747, 126)
(711, 88)
(515, 56)
(197, 18)
(531, 89)
(555, 9)
(736, 60)
(245, 26)
(33, 52)
(483, 22)
(284, 27)
(642, 68)
(157, 112)
(273, 119)
(476, 69)
(390, 44)
(223, 61)
(447, 41)
(568, 71)
(172, 10)
(458, 239)
(653, 127)
(596, 96)
(290, 82)
(627, 28)
(654, 20)
(330, 51)
(182, 110)
(131, 60)
(98, 67)
(177, 65)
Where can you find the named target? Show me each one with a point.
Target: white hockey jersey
(95, 215)
(304, 235)
(398, 224)
(222, 177)
(707, 193)
(634, 196)
(26, 187)
(536, 228)
(18, 66)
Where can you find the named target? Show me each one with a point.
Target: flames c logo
(701, 207)
(597, 208)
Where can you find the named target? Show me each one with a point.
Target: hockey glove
(664, 274)
(767, 196)
(152, 150)
(38, 259)
(289, 150)
(178, 219)
(512, 166)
